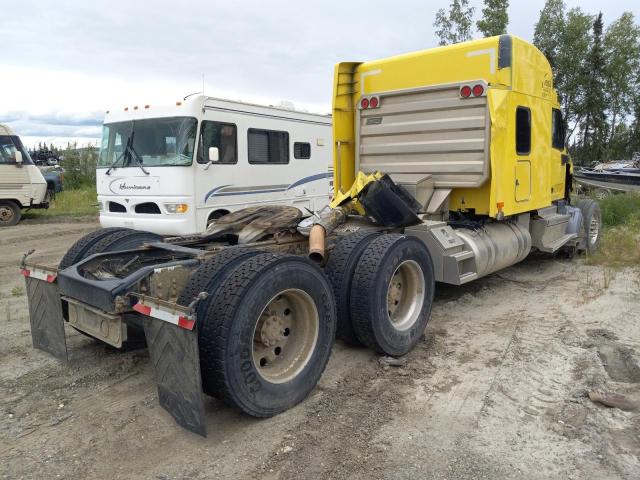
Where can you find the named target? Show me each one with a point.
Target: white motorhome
(172, 170)
(21, 183)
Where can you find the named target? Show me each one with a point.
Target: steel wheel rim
(285, 335)
(594, 229)
(6, 214)
(405, 295)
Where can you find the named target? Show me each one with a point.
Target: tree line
(596, 70)
(79, 163)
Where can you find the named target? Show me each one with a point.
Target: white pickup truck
(21, 183)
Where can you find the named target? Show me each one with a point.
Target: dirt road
(496, 389)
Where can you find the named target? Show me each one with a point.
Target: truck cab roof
(504, 60)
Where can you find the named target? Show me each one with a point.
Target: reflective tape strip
(39, 274)
(180, 320)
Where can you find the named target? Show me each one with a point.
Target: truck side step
(548, 230)
(557, 244)
(461, 256)
(468, 277)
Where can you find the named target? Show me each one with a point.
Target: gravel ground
(497, 388)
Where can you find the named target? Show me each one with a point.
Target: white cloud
(69, 61)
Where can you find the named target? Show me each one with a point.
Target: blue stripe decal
(312, 178)
(211, 192)
(216, 192)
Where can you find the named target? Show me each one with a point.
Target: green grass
(621, 209)
(78, 202)
(620, 241)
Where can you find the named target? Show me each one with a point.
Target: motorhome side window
(523, 131)
(220, 135)
(557, 127)
(301, 150)
(268, 147)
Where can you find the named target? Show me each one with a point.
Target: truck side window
(557, 127)
(268, 147)
(221, 135)
(301, 150)
(523, 131)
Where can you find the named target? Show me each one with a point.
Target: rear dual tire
(392, 294)
(267, 332)
(340, 270)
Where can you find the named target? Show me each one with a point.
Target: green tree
(569, 73)
(594, 106)
(548, 30)
(455, 25)
(622, 52)
(634, 144)
(495, 18)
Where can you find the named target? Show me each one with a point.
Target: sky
(65, 62)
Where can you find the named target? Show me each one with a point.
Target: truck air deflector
(504, 51)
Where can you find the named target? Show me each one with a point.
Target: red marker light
(373, 103)
(364, 103)
(478, 90)
(465, 92)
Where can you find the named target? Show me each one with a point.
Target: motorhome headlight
(176, 207)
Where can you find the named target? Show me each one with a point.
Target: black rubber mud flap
(176, 362)
(45, 315)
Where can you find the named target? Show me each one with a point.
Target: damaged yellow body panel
(351, 195)
(494, 152)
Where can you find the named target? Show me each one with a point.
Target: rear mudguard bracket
(176, 363)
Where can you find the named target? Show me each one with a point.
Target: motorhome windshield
(9, 144)
(149, 142)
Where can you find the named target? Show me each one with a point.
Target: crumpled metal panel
(253, 223)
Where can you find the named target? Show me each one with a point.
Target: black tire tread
(201, 278)
(363, 282)
(223, 307)
(79, 248)
(340, 270)
(107, 241)
(209, 277)
(587, 205)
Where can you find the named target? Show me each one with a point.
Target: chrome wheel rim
(594, 230)
(285, 335)
(6, 214)
(405, 295)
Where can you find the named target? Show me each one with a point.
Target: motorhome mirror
(18, 156)
(214, 155)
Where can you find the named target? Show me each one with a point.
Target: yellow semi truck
(449, 164)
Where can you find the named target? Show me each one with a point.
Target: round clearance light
(373, 103)
(478, 90)
(364, 103)
(465, 92)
